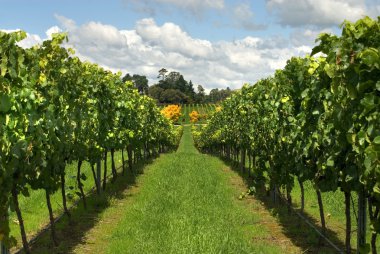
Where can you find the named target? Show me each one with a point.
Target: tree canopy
(172, 87)
(139, 81)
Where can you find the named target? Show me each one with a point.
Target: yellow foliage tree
(172, 112)
(194, 116)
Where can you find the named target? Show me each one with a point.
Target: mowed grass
(186, 204)
(334, 209)
(182, 202)
(34, 209)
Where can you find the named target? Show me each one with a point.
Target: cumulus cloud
(323, 13)
(67, 23)
(148, 47)
(34, 39)
(170, 37)
(52, 30)
(30, 41)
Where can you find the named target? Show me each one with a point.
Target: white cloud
(52, 30)
(97, 34)
(67, 23)
(148, 47)
(170, 37)
(30, 40)
(322, 13)
(9, 30)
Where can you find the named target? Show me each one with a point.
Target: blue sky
(215, 43)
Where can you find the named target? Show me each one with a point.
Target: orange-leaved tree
(194, 116)
(172, 112)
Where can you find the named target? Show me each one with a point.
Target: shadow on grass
(71, 233)
(293, 227)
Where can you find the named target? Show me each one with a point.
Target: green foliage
(35, 210)
(140, 82)
(205, 111)
(217, 95)
(172, 88)
(54, 109)
(317, 119)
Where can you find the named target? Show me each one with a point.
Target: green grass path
(185, 205)
(184, 202)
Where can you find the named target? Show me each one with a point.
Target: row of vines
(317, 119)
(56, 110)
(202, 112)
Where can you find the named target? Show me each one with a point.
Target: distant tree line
(172, 88)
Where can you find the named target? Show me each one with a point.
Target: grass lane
(184, 202)
(187, 205)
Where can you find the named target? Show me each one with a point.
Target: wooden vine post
(362, 221)
(3, 249)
